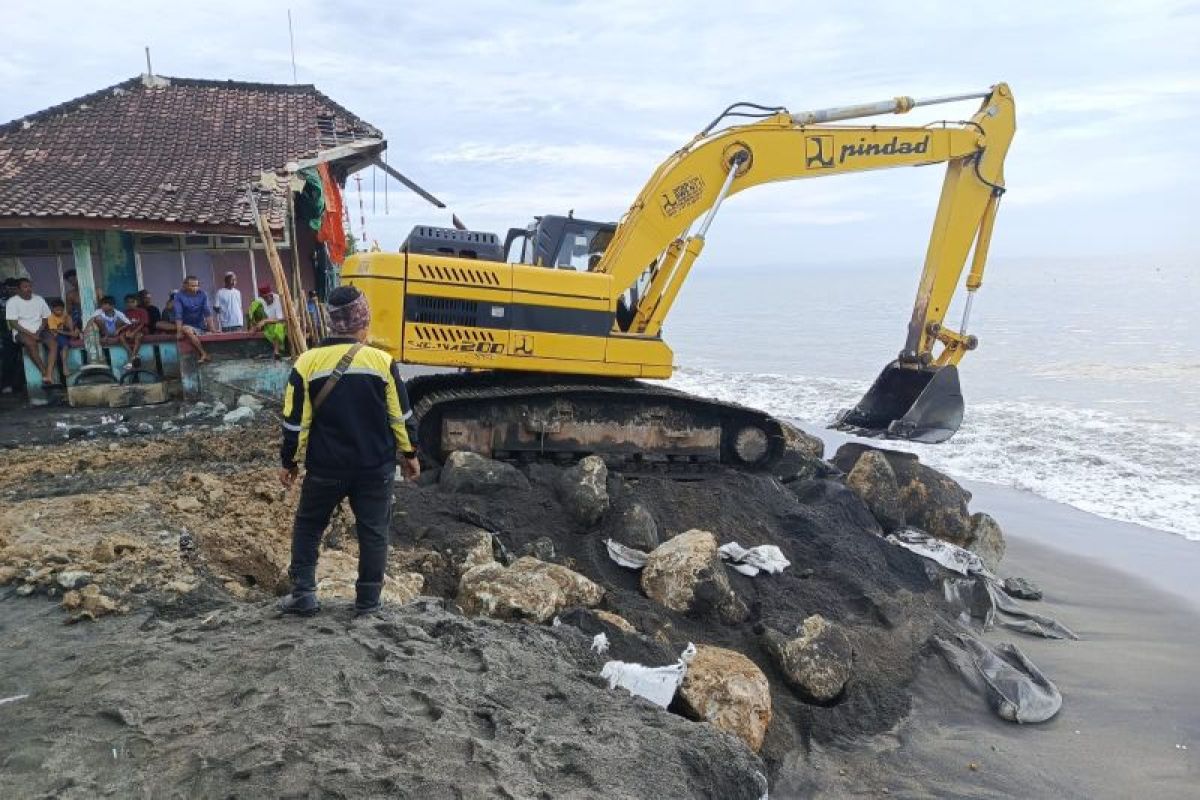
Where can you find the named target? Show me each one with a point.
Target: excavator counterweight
(557, 321)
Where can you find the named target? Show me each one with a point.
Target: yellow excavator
(550, 328)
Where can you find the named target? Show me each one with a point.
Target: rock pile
(823, 650)
(901, 491)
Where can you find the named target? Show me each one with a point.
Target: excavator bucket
(921, 405)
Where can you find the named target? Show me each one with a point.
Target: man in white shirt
(229, 306)
(26, 315)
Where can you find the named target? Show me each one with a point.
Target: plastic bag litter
(950, 556)
(1014, 687)
(982, 597)
(979, 593)
(656, 684)
(625, 556)
(600, 643)
(751, 561)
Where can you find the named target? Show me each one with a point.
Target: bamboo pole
(298, 287)
(296, 341)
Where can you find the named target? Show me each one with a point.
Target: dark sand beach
(1131, 700)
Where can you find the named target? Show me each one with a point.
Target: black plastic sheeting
(1015, 688)
(983, 598)
(1012, 684)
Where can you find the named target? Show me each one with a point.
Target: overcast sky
(510, 109)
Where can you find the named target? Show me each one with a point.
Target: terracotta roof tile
(180, 151)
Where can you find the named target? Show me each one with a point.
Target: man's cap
(264, 288)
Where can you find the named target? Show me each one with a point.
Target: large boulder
(802, 454)
(634, 526)
(471, 473)
(931, 500)
(583, 490)
(337, 572)
(873, 480)
(686, 574)
(987, 540)
(527, 590)
(727, 689)
(817, 662)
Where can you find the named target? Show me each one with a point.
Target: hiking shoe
(367, 611)
(304, 604)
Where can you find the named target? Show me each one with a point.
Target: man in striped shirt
(345, 410)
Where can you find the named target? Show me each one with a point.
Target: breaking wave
(1123, 468)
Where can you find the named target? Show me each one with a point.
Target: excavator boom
(586, 300)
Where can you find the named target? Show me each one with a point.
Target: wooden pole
(298, 285)
(295, 334)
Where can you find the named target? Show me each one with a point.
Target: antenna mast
(149, 69)
(291, 44)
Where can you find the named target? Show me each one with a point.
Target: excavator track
(635, 426)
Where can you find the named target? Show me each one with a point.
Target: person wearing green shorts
(266, 315)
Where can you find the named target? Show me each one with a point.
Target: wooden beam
(411, 185)
(356, 148)
(296, 341)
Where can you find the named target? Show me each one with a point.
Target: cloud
(565, 105)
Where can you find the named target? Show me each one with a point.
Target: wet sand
(1130, 685)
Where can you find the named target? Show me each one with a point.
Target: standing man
(193, 314)
(26, 315)
(74, 308)
(12, 372)
(229, 305)
(345, 408)
(266, 315)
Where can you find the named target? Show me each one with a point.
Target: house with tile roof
(137, 185)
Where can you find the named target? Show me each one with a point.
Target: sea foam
(1133, 469)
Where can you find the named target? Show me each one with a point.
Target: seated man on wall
(153, 315)
(193, 314)
(116, 328)
(26, 314)
(137, 315)
(266, 315)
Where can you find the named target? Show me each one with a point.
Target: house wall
(123, 263)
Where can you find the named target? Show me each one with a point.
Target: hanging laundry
(332, 233)
(310, 201)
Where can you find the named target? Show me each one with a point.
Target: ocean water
(1085, 388)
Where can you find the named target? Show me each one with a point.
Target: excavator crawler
(555, 330)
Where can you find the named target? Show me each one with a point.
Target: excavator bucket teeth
(921, 405)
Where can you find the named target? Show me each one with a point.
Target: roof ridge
(135, 82)
(68, 105)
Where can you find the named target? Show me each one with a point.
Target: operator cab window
(582, 248)
(518, 250)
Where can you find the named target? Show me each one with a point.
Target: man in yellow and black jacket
(346, 412)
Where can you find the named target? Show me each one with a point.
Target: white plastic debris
(600, 643)
(625, 556)
(751, 561)
(656, 684)
(240, 414)
(952, 557)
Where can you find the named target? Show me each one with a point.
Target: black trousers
(370, 494)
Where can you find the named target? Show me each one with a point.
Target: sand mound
(416, 703)
(191, 529)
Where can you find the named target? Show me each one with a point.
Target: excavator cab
(559, 242)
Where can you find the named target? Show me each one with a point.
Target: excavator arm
(917, 395)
